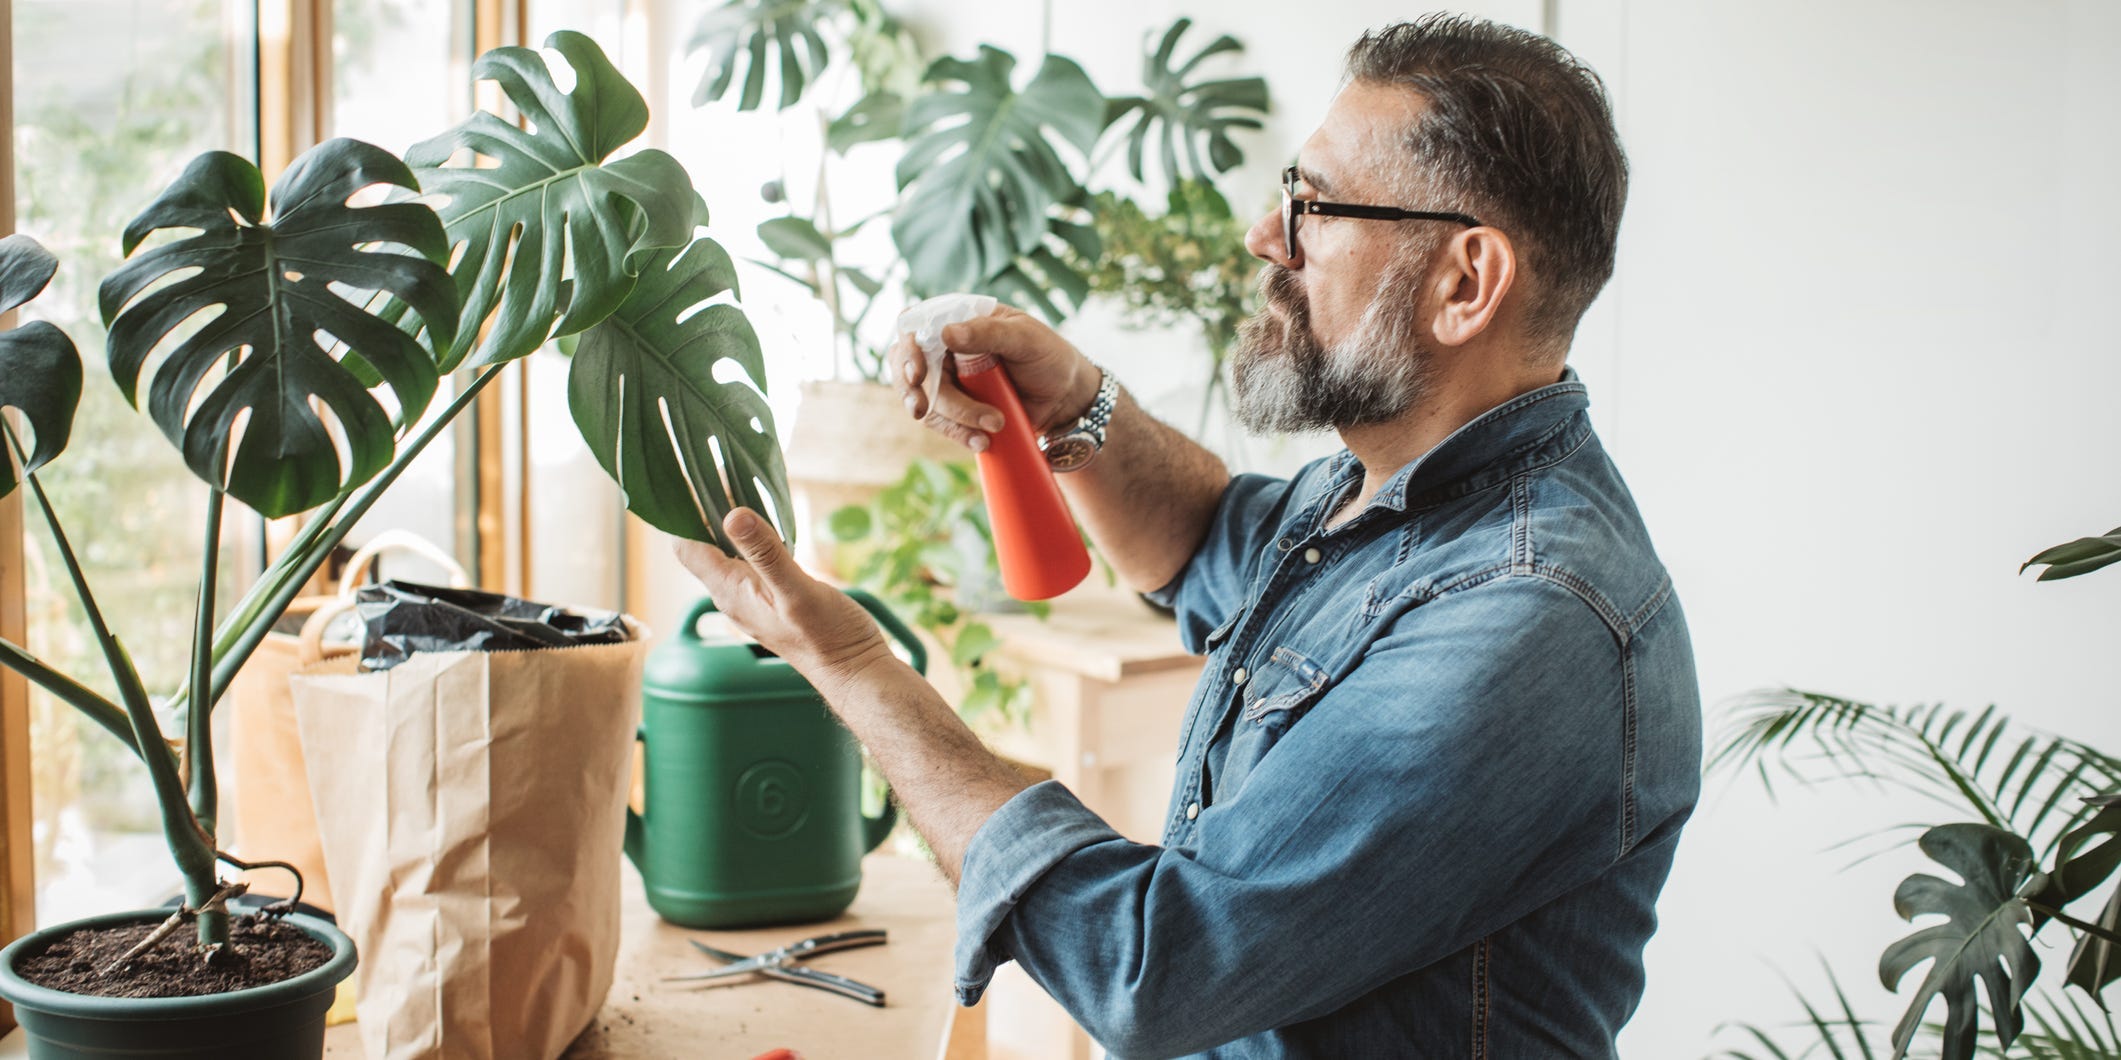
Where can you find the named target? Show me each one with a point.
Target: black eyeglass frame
(1293, 208)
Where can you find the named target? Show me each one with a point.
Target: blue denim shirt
(1428, 787)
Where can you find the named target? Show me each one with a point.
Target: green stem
(99, 710)
(188, 844)
(294, 568)
(121, 668)
(199, 738)
(2107, 934)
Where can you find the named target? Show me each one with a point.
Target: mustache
(1280, 288)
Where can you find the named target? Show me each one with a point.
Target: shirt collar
(1530, 429)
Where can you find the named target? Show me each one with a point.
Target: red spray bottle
(1040, 551)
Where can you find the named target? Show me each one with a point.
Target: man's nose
(1264, 241)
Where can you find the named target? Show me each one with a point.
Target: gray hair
(1519, 133)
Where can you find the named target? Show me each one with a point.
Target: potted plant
(290, 346)
(2040, 832)
(992, 191)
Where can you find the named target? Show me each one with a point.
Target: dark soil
(259, 952)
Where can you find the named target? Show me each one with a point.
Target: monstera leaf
(274, 296)
(752, 28)
(552, 236)
(1178, 115)
(2081, 866)
(644, 394)
(981, 178)
(40, 372)
(1033, 278)
(1981, 938)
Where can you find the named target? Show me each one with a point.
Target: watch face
(1070, 451)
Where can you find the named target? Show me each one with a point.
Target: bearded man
(1431, 781)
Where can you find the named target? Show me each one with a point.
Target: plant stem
(199, 738)
(99, 710)
(121, 667)
(294, 567)
(192, 850)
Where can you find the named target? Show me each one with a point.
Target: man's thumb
(756, 540)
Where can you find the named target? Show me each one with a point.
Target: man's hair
(1519, 133)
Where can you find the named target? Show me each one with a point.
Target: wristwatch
(1072, 448)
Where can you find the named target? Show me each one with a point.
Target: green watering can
(753, 813)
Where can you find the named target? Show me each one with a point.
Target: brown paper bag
(472, 807)
(269, 788)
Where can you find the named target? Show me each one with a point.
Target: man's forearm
(1147, 498)
(942, 775)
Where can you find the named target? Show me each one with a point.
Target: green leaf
(849, 523)
(1983, 936)
(684, 448)
(744, 32)
(1179, 116)
(981, 175)
(2082, 556)
(973, 643)
(40, 371)
(875, 117)
(795, 238)
(552, 236)
(277, 298)
(2029, 782)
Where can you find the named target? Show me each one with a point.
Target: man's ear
(1476, 270)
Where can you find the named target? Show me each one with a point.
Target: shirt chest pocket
(1278, 693)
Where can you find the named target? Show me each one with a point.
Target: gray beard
(1284, 381)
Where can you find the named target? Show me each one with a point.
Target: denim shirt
(1428, 787)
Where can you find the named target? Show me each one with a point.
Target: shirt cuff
(1016, 846)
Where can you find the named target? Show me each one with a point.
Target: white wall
(1852, 366)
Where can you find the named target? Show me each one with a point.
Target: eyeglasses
(1293, 208)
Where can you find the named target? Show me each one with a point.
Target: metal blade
(826, 981)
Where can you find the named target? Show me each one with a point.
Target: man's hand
(826, 636)
(1054, 380)
(948, 782)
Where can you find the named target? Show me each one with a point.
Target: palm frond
(2062, 1028)
(1836, 1031)
(2011, 776)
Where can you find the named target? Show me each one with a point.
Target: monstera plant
(290, 344)
(994, 179)
(2045, 835)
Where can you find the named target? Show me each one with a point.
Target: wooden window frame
(18, 885)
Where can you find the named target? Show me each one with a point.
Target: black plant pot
(279, 1021)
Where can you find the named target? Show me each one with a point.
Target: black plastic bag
(405, 617)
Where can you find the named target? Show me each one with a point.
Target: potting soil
(260, 951)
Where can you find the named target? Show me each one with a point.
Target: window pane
(400, 74)
(112, 98)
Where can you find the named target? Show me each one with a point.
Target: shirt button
(1238, 678)
(1192, 810)
(1285, 544)
(1312, 555)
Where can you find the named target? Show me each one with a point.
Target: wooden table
(646, 1019)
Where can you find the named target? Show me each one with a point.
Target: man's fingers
(1005, 331)
(959, 407)
(706, 562)
(760, 546)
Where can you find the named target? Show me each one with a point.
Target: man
(1431, 780)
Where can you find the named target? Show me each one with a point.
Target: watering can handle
(916, 653)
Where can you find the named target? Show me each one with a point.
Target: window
(111, 99)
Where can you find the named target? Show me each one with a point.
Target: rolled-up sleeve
(1041, 825)
(1461, 776)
